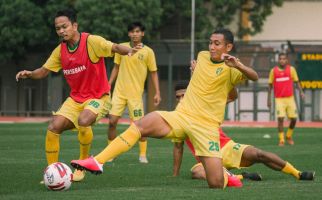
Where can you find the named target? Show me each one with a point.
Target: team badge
(219, 70)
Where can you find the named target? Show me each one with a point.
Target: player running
(131, 73)
(81, 58)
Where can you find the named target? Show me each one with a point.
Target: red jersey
(223, 138)
(87, 80)
(283, 83)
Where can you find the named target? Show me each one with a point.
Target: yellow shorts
(232, 153)
(286, 106)
(135, 106)
(203, 136)
(71, 109)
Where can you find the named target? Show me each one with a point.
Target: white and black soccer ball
(58, 176)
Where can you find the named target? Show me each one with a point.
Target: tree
(110, 18)
(22, 28)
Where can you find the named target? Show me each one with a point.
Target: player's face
(136, 35)
(65, 29)
(282, 60)
(180, 94)
(218, 46)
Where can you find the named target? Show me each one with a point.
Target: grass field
(23, 160)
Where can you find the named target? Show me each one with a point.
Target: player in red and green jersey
(235, 155)
(130, 74)
(81, 58)
(282, 78)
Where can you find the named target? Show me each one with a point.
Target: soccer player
(131, 73)
(81, 57)
(235, 155)
(282, 78)
(198, 115)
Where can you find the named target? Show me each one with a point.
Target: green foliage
(258, 14)
(110, 18)
(22, 28)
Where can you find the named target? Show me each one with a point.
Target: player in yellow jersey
(282, 79)
(130, 74)
(198, 115)
(81, 58)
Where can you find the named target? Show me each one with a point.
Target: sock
(120, 144)
(239, 176)
(289, 133)
(143, 146)
(225, 179)
(52, 147)
(290, 169)
(281, 136)
(85, 137)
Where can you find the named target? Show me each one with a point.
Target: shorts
(232, 153)
(285, 106)
(204, 136)
(135, 106)
(72, 109)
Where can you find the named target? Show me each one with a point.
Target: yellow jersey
(97, 47)
(133, 72)
(294, 76)
(207, 93)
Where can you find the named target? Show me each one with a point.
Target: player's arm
(177, 157)
(235, 62)
(299, 87)
(269, 98)
(35, 74)
(124, 50)
(232, 95)
(114, 73)
(155, 81)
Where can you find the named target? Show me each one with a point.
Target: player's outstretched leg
(252, 155)
(152, 125)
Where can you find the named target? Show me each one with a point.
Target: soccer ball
(58, 176)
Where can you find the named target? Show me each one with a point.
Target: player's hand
(193, 65)
(156, 99)
(135, 49)
(302, 95)
(230, 60)
(23, 74)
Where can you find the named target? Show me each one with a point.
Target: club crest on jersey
(219, 70)
(140, 56)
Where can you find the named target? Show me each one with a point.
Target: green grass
(23, 160)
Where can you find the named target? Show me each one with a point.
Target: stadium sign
(309, 69)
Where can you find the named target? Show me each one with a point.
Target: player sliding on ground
(198, 115)
(235, 155)
(81, 57)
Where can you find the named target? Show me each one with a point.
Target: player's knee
(112, 123)
(84, 122)
(216, 184)
(260, 155)
(53, 126)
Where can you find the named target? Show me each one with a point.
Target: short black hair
(282, 54)
(134, 25)
(70, 13)
(181, 85)
(228, 35)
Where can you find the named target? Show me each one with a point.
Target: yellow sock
(240, 177)
(225, 179)
(85, 137)
(281, 136)
(120, 144)
(289, 133)
(290, 169)
(143, 146)
(52, 147)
